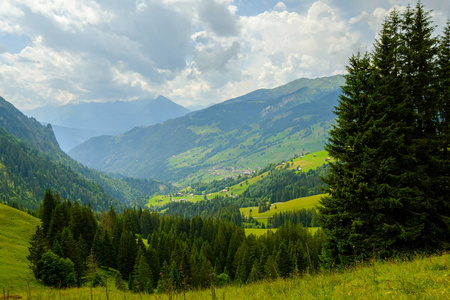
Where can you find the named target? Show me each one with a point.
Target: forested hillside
(25, 175)
(40, 151)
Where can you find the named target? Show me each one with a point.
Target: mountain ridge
(81, 121)
(219, 135)
(35, 145)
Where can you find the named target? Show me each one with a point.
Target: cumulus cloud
(192, 51)
(219, 18)
(289, 45)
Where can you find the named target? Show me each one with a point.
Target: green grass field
(295, 204)
(307, 162)
(421, 278)
(16, 228)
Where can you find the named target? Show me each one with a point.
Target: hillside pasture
(295, 204)
(16, 229)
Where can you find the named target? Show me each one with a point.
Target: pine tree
(284, 261)
(344, 212)
(142, 276)
(47, 206)
(270, 268)
(57, 249)
(254, 275)
(57, 223)
(119, 282)
(386, 186)
(443, 92)
(38, 246)
(127, 254)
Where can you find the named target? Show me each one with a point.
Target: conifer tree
(57, 249)
(344, 212)
(387, 188)
(57, 223)
(443, 92)
(270, 268)
(38, 246)
(127, 254)
(142, 274)
(284, 261)
(47, 206)
(254, 275)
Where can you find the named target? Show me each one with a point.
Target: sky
(194, 52)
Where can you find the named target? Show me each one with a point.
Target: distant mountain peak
(245, 132)
(105, 118)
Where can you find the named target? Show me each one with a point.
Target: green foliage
(97, 280)
(120, 285)
(308, 218)
(38, 246)
(27, 174)
(33, 162)
(57, 271)
(284, 261)
(282, 185)
(222, 279)
(223, 208)
(142, 277)
(387, 189)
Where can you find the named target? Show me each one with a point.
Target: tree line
(281, 185)
(182, 253)
(306, 217)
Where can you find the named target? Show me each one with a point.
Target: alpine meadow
(335, 187)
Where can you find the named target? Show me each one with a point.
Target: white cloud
(280, 6)
(191, 51)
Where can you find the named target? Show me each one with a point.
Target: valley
(245, 133)
(328, 188)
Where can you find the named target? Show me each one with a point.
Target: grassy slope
(231, 162)
(421, 278)
(295, 204)
(16, 228)
(307, 162)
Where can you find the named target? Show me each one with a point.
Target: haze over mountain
(31, 161)
(76, 123)
(242, 133)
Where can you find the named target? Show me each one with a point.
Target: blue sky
(194, 52)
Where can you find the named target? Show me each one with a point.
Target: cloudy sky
(194, 52)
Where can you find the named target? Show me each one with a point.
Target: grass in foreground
(421, 278)
(16, 228)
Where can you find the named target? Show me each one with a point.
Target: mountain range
(76, 123)
(31, 161)
(232, 137)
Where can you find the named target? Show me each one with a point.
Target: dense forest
(25, 175)
(33, 135)
(182, 252)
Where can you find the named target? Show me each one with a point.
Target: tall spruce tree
(46, 210)
(344, 213)
(38, 246)
(386, 186)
